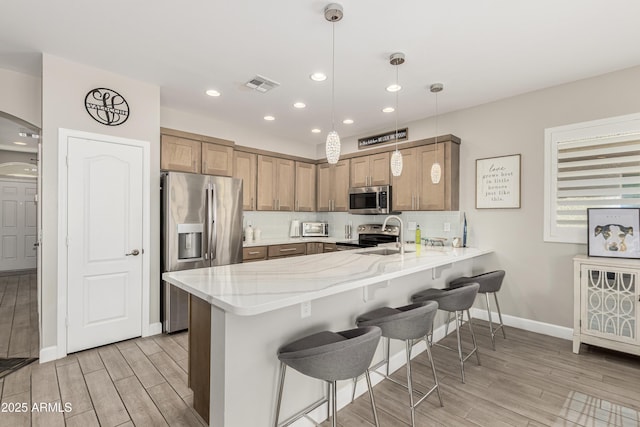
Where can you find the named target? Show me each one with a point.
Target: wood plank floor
(18, 315)
(530, 380)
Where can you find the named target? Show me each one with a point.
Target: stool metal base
(459, 317)
(500, 326)
(330, 399)
(409, 384)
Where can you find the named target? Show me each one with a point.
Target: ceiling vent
(262, 84)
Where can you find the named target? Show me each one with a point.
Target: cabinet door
(244, 167)
(324, 187)
(305, 187)
(379, 169)
(340, 185)
(266, 183)
(180, 154)
(360, 171)
(404, 187)
(609, 302)
(217, 159)
(285, 184)
(431, 197)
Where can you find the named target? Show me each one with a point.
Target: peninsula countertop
(259, 287)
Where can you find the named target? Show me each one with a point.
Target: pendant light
(333, 13)
(436, 170)
(396, 59)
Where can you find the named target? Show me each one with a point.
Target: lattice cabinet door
(609, 307)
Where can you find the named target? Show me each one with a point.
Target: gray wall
(539, 281)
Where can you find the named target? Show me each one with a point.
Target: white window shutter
(589, 165)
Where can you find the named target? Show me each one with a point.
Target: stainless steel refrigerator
(201, 227)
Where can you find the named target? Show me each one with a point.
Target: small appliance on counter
(294, 230)
(370, 235)
(315, 229)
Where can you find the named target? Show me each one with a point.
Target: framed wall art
(498, 182)
(613, 232)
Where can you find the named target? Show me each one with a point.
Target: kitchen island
(243, 313)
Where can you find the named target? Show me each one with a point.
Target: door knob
(134, 252)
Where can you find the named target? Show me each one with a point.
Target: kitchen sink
(383, 251)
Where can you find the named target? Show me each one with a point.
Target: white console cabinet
(606, 303)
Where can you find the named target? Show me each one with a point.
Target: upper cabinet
(187, 152)
(180, 154)
(245, 168)
(413, 189)
(217, 159)
(370, 170)
(333, 187)
(305, 200)
(275, 188)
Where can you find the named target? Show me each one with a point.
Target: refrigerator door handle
(213, 209)
(209, 231)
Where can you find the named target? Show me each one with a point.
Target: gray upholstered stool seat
(490, 283)
(456, 301)
(405, 323)
(329, 356)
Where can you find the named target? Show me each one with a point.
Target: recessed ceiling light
(316, 130)
(213, 92)
(394, 88)
(347, 121)
(318, 77)
(388, 110)
(299, 105)
(20, 143)
(269, 118)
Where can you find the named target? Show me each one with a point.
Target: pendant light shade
(396, 163)
(333, 13)
(396, 59)
(436, 169)
(332, 147)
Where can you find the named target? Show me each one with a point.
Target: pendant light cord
(437, 113)
(397, 107)
(333, 75)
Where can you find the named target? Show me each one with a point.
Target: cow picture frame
(613, 232)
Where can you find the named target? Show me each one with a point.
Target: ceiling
(480, 50)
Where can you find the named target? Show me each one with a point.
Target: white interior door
(104, 226)
(17, 225)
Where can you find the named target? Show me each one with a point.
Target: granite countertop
(263, 286)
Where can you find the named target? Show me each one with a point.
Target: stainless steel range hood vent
(262, 84)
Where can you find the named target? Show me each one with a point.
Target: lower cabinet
(315, 248)
(606, 303)
(200, 354)
(254, 253)
(276, 251)
(259, 253)
(329, 247)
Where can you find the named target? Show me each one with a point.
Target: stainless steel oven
(370, 200)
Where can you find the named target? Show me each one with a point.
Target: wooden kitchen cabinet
(333, 187)
(305, 196)
(245, 168)
(254, 253)
(217, 159)
(329, 247)
(292, 249)
(370, 170)
(315, 248)
(180, 154)
(413, 189)
(275, 184)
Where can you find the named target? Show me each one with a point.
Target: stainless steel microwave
(370, 200)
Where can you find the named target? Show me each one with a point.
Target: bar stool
(490, 283)
(329, 356)
(406, 323)
(456, 301)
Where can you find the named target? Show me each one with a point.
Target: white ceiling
(480, 50)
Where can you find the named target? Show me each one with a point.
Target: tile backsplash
(276, 224)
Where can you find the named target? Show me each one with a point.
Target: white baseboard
(154, 329)
(526, 324)
(48, 354)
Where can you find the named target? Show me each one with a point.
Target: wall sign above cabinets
(106, 106)
(384, 138)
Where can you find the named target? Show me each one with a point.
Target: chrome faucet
(384, 227)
